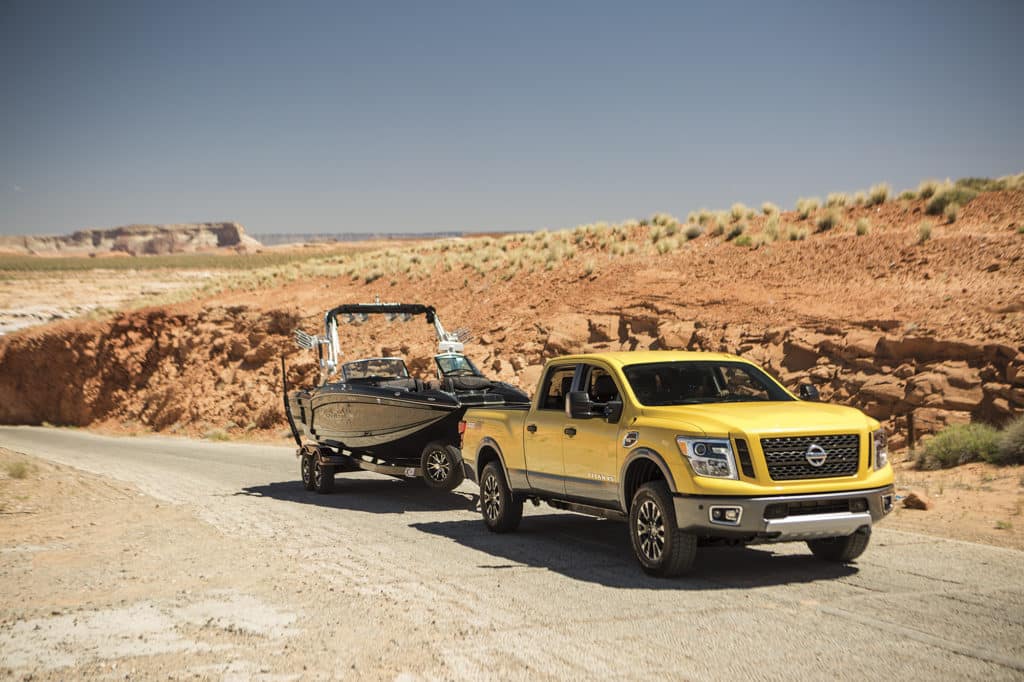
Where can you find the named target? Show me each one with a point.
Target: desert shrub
(655, 234)
(703, 217)
(768, 208)
(743, 240)
(924, 232)
(863, 227)
(927, 188)
(663, 220)
(992, 185)
(771, 228)
(949, 195)
(807, 206)
(908, 195)
(717, 228)
(373, 276)
(797, 235)
(217, 434)
(737, 211)
(878, 194)
(18, 470)
(951, 213)
(836, 200)
(959, 444)
(693, 231)
(589, 268)
(1020, 229)
(736, 231)
(859, 198)
(1011, 444)
(667, 245)
(829, 220)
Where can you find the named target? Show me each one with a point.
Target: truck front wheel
(843, 549)
(660, 547)
(501, 509)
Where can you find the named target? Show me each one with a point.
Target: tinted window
(556, 386)
(689, 383)
(600, 386)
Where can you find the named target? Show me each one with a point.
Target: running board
(587, 509)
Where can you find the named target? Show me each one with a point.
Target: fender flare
(488, 442)
(648, 454)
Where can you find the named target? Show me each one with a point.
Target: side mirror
(809, 392)
(578, 405)
(613, 411)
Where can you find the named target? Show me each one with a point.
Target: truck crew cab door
(590, 453)
(545, 429)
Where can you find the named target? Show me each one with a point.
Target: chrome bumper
(783, 518)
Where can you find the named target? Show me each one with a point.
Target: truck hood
(761, 418)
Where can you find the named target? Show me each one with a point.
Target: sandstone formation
(136, 240)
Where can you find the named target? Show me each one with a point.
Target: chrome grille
(787, 457)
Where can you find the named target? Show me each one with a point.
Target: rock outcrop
(136, 240)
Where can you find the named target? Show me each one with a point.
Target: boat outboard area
(371, 413)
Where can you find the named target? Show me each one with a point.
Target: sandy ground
(161, 558)
(31, 298)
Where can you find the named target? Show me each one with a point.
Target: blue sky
(414, 116)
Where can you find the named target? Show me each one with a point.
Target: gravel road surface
(386, 579)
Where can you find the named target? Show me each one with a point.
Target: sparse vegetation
(743, 240)
(806, 206)
(769, 209)
(878, 194)
(959, 444)
(736, 231)
(951, 213)
(863, 227)
(908, 195)
(827, 221)
(949, 194)
(217, 435)
(836, 200)
(859, 198)
(693, 231)
(738, 211)
(927, 188)
(924, 231)
(19, 470)
(1011, 444)
(797, 235)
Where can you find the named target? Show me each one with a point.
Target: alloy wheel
(650, 530)
(439, 465)
(491, 495)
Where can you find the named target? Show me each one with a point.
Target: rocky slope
(135, 240)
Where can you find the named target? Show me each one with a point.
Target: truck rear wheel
(501, 509)
(306, 470)
(842, 549)
(661, 548)
(442, 466)
(323, 477)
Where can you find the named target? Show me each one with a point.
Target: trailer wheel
(323, 477)
(306, 469)
(442, 466)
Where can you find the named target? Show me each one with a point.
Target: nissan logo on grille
(816, 455)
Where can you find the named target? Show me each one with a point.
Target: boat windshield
(691, 383)
(456, 366)
(375, 368)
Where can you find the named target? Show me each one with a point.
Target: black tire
(840, 550)
(442, 466)
(323, 477)
(661, 548)
(306, 470)
(502, 511)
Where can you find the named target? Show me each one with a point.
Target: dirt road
(234, 571)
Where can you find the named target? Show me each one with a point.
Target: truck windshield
(690, 383)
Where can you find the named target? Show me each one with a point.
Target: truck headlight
(711, 457)
(880, 441)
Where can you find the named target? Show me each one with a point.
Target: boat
(376, 416)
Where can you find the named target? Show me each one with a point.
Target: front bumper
(783, 518)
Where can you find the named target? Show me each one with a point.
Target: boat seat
(469, 383)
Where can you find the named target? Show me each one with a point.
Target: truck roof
(634, 357)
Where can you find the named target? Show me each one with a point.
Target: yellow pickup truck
(688, 448)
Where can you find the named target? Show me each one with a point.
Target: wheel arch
(641, 466)
(486, 452)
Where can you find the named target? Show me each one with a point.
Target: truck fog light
(859, 505)
(729, 516)
(887, 503)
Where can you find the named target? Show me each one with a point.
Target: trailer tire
(323, 477)
(306, 470)
(442, 466)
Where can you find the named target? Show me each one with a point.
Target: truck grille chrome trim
(787, 457)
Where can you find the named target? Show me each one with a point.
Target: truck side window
(556, 387)
(601, 387)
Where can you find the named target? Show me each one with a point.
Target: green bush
(743, 240)
(959, 444)
(1011, 444)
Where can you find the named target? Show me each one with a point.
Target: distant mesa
(136, 240)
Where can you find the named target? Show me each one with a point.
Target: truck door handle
(532, 428)
(569, 431)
